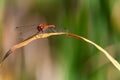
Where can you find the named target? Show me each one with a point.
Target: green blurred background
(61, 57)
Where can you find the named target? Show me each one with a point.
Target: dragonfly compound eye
(39, 28)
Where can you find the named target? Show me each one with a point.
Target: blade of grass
(114, 62)
(45, 35)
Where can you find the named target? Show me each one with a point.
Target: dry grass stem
(45, 35)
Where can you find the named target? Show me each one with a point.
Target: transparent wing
(26, 31)
(26, 28)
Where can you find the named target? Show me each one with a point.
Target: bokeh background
(60, 57)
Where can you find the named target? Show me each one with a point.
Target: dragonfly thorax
(41, 27)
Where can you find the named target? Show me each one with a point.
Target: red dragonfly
(43, 27)
(23, 31)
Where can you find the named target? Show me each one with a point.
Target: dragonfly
(23, 32)
(41, 28)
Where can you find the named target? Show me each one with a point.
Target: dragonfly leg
(41, 31)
